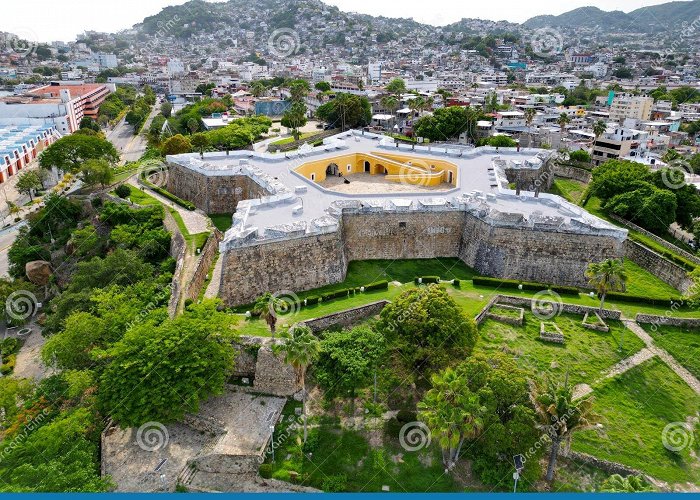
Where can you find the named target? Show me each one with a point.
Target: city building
(630, 106)
(19, 146)
(620, 143)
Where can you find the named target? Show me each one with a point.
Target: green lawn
(338, 453)
(681, 343)
(222, 221)
(569, 189)
(642, 283)
(635, 408)
(586, 355)
(289, 140)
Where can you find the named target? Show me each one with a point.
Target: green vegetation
(289, 140)
(140, 109)
(585, 355)
(70, 152)
(682, 343)
(642, 283)
(222, 221)
(571, 190)
(636, 407)
(346, 111)
(446, 123)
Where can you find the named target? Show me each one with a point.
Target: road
(131, 146)
(7, 237)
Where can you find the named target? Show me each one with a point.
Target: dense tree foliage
(68, 153)
(346, 111)
(447, 123)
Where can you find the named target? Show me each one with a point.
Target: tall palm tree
(300, 348)
(606, 276)
(560, 416)
(530, 114)
(563, 121)
(268, 307)
(599, 129)
(416, 105)
(257, 89)
(452, 413)
(390, 103)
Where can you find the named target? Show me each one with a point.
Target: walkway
(688, 377)
(195, 221)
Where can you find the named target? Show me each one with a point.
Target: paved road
(131, 146)
(7, 237)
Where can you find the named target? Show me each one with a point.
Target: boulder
(38, 272)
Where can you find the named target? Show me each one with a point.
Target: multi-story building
(60, 103)
(630, 106)
(20, 145)
(106, 60)
(619, 144)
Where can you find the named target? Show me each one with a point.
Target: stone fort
(300, 217)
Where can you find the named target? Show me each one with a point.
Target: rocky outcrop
(38, 272)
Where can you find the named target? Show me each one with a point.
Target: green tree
(97, 172)
(452, 412)
(599, 128)
(323, 86)
(346, 111)
(13, 393)
(298, 89)
(348, 360)
(68, 153)
(70, 349)
(427, 327)
(606, 276)
(294, 118)
(561, 415)
(563, 121)
(176, 145)
(160, 372)
(166, 109)
(397, 87)
(28, 182)
(446, 123)
(200, 142)
(257, 89)
(300, 348)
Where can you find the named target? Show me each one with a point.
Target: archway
(368, 166)
(332, 170)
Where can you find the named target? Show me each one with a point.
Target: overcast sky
(47, 20)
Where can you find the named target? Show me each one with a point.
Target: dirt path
(28, 363)
(688, 377)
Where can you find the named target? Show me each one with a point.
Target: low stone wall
(273, 375)
(574, 173)
(177, 251)
(604, 465)
(346, 318)
(479, 318)
(667, 321)
(657, 239)
(567, 308)
(228, 464)
(665, 270)
(507, 319)
(596, 324)
(203, 265)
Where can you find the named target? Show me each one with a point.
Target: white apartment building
(629, 106)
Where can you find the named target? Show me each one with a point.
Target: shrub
(623, 297)
(312, 441)
(10, 346)
(377, 285)
(8, 364)
(265, 471)
(456, 283)
(311, 300)
(282, 475)
(505, 283)
(580, 155)
(173, 198)
(334, 484)
(406, 416)
(123, 191)
(96, 202)
(427, 279)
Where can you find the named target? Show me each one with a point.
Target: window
(313, 177)
(402, 224)
(349, 168)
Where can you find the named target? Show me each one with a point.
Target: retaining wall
(665, 270)
(346, 318)
(177, 252)
(203, 265)
(667, 321)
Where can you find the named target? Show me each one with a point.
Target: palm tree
(452, 413)
(390, 103)
(257, 89)
(300, 348)
(530, 114)
(560, 416)
(563, 121)
(267, 307)
(416, 105)
(606, 276)
(599, 129)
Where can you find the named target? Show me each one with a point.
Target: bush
(123, 191)
(173, 198)
(312, 441)
(10, 346)
(265, 471)
(505, 283)
(623, 297)
(312, 299)
(8, 364)
(96, 202)
(456, 283)
(667, 254)
(335, 484)
(377, 285)
(427, 279)
(406, 416)
(580, 155)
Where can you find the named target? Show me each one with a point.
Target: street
(131, 146)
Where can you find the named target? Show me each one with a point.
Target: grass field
(586, 355)
(635, 408)
(345, 458)
(681, 343)
(642, 283)
(289, 140)
(221, 221)
(569, 189)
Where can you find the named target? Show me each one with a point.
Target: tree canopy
(68, 153)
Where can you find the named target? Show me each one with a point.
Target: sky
(64, 19)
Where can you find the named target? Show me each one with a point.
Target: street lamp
(519, 462)
(272, 441)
